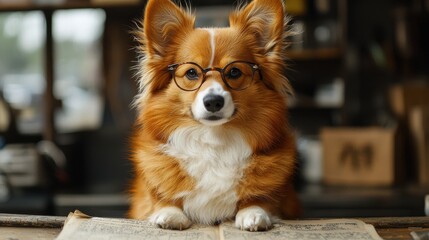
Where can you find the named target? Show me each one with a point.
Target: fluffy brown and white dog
(211, 141)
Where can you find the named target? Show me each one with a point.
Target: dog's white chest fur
(215, 157)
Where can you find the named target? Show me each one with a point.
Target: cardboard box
(360, 156)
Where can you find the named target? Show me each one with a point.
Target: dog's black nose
(213, 103)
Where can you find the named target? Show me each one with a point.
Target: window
(77, 67)
(22, 37)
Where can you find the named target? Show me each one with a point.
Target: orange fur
(257, 34)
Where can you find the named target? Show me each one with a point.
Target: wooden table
(399, 227)
(19, 227)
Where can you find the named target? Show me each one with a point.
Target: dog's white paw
(170, 218)
(253, 219)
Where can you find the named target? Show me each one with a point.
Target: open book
(80, 226)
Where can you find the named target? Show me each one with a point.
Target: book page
(337, 229)
(79, 226)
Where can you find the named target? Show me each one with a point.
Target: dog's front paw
(253, 219)
(170, 218)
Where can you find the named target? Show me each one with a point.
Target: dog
(211, 141)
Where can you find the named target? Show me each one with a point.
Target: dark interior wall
(370, 55)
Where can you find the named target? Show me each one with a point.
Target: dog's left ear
(163, 23)
(264, 19)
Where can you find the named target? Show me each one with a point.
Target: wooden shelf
(304, 102)
(313, 106)
(315, 54)
(324, 201)
(12, 7)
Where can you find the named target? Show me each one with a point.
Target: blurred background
(360, 70)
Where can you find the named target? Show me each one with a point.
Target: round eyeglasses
(237, 75)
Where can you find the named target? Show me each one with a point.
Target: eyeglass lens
(237, 75)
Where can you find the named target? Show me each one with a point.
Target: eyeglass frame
(255, 67)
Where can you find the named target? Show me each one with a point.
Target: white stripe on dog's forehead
(211, 31)
(215, 88)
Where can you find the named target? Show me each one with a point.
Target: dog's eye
(192, 74)
(234, 73)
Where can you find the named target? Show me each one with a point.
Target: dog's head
(213, 76)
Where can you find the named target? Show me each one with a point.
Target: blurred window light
(80, 26)
(22, 37)
(213, 16)
(78, 68)
(27, 28)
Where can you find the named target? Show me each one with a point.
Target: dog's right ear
(163, 21)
